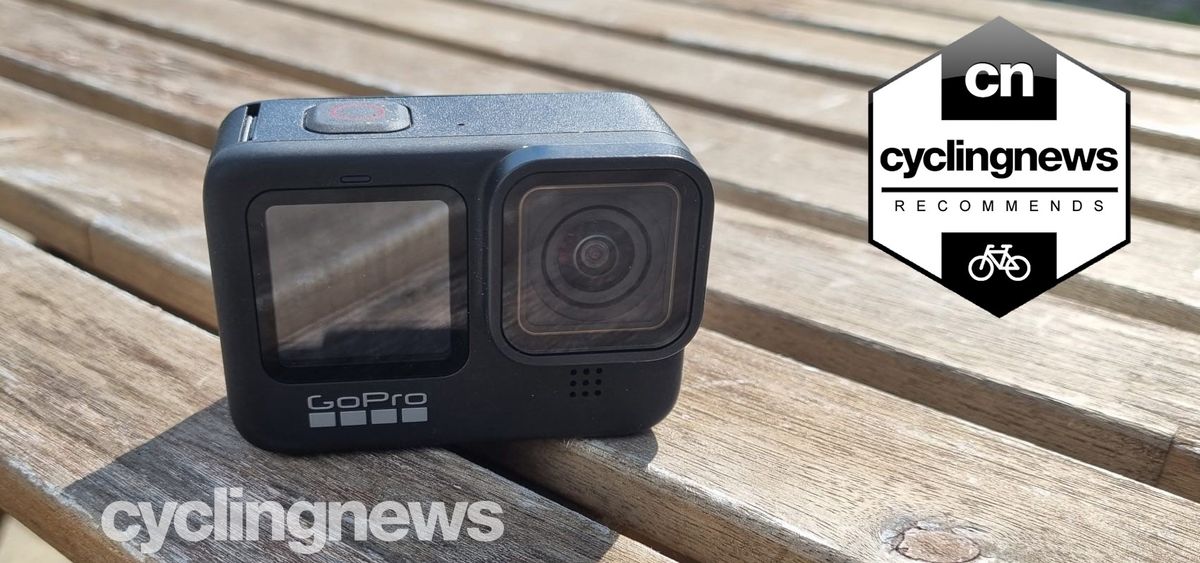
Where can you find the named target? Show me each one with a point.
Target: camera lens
(591, 267)
(596, 257)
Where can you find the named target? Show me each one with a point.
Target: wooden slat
(1103, 388)
(259, 35)
(771, 451)
(1159, 119)
(832, 108)
(132, 410)
(1182, 463)
(42, 48)
(764, 459)
(812, 49)
(818, 49)
(934, 29)
(18, 544)
(1070, 21)
(1091, 419)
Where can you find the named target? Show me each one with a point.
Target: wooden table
(837, 407)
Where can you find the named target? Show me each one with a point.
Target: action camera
(407, 271)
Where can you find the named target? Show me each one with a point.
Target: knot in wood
(937, 546)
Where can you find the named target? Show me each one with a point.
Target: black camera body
(408, 271)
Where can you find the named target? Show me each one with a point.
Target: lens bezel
(681, 283)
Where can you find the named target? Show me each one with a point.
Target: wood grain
(767, 94)
(812, 49)
(18, 544)
(867, 58)
(1095, 425)
(758, 167)
(132, 410)
(1101, 387)
(42, 48)
(1071, 21)
(758, 445)
(1182, 463)
(931, 28)
(1163, 200)
(764, 459)
(874, 60)
(1160, 119)
(269, 38)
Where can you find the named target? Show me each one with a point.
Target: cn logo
(1006, 73)
(996, 73)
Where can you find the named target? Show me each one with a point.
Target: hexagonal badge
(999, 167)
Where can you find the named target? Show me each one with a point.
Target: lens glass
(594, 267)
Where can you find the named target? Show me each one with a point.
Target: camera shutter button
(357, 116)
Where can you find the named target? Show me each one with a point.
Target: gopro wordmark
(999, 167)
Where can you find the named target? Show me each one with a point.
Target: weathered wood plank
(791, 463)
(883, 20)
(132, 410)
(266, 32)
(1144, 439)
(1101, 387)
(1183, 463)
(836, 111)
(821, 50)
(757, 167)
(812, 49)
(1070, 21)
(1159, 119)
(42, 48)
(18, 543)
(751, 90)
(774, 444)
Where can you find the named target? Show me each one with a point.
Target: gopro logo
(374, 407)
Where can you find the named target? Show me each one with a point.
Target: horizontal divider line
(988, 190)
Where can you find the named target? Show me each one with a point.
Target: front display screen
(345, 283)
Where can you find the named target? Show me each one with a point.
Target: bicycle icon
(982, 267)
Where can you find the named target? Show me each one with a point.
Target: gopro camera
(407, 271)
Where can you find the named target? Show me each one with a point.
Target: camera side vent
(586, 383)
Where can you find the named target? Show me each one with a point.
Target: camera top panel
(446, 116)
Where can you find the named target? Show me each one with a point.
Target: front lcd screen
(360, 282)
